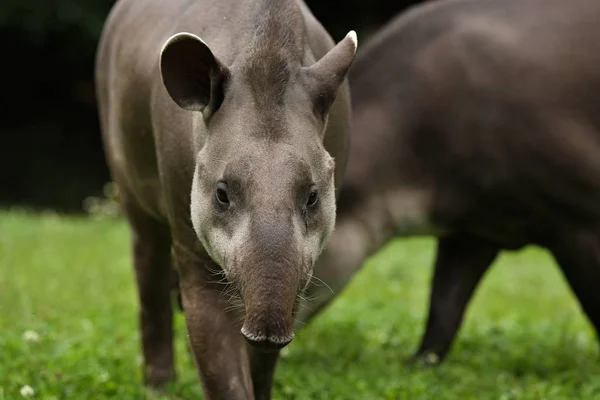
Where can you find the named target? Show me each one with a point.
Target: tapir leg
(461, 261)
(219, 349)
(151, 253)
(578, 256)
(263, 369)
(175, 292)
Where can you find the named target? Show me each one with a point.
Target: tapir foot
(158, 378)
(425, 359)
(162, 391)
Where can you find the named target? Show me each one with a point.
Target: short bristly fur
(225, 124)
(475, 121)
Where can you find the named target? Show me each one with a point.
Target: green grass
(70, 280)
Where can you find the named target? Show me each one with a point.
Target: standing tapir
(478, 122)
(226, 127)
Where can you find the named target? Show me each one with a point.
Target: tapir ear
(326, 75)
(191, 73)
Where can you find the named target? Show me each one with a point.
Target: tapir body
(226, 127)
(477, 122)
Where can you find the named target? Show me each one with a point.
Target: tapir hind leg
(578, 256)
(461, 261)
(151, 257)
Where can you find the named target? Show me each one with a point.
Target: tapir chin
(226, 129)
(476, 122)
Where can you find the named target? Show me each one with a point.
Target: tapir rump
(226, 129)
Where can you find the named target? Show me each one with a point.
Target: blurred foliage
(363, 16)
(51, 154)
(106, 206)
(52, 43)
(56, 16)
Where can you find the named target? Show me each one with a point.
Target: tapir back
(487, 109)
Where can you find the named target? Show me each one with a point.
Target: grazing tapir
(226, 127)
(477, 122)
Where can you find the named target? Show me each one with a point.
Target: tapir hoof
(267, 343)
(158, 378)
(426, 359)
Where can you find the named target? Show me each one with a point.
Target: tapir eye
(313, 197)
(221, 194)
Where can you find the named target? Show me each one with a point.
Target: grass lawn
(69, 280)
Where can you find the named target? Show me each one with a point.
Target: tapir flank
(477, 122)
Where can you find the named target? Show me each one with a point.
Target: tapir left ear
(191, 73)
(324, 77)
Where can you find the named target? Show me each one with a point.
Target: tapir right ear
(191, 73)
(326, 75)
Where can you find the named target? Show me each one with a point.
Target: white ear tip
(353, 38)
(179, 36)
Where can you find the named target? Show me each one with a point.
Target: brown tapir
(226, 127)
(478, 122)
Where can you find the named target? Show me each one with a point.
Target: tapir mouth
(269, 292)
(268, 326)
(267, 342)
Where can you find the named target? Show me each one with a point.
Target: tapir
(475, 122)
(225, 125)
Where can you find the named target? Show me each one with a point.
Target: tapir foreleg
(229, 368)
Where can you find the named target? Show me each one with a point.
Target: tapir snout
(268, 326)
(271, 276)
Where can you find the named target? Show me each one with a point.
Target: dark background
(50, 150)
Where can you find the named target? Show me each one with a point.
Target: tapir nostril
(267, 342)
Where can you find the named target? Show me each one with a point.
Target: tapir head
(263, 195)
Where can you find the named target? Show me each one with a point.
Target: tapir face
(264, 211)
(263, 194)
